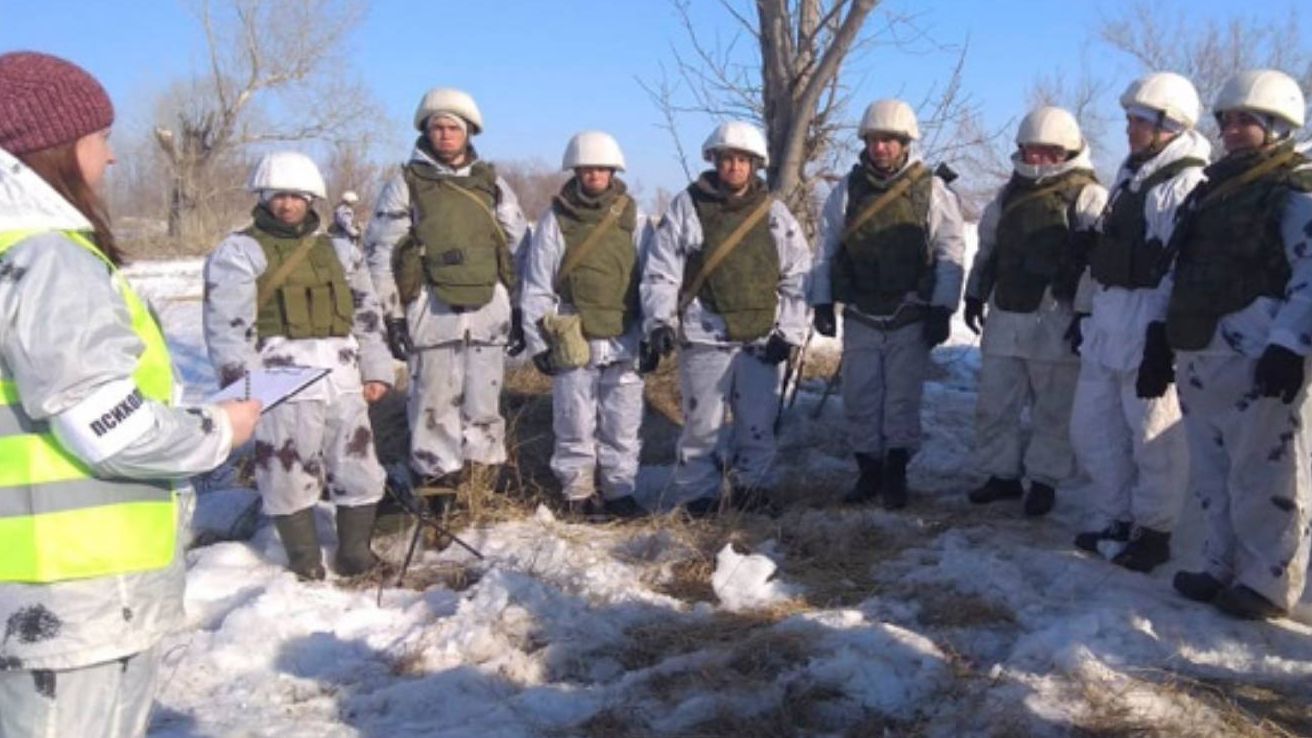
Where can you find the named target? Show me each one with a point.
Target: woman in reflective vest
(90, 443)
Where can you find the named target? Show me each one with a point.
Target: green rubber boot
(301, 542)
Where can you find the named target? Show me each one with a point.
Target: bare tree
(783, 69)
(534, 183)
(1159, 38)
(275, 74)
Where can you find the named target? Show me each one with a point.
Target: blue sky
(541, 71)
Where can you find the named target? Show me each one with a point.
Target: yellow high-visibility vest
(57, 520)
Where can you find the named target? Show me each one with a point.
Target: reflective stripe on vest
(57, 520)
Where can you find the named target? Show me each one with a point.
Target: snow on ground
(941, 620)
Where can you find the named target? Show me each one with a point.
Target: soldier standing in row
(583, 326)
(726, 281)
(891, 251)
(441, 247)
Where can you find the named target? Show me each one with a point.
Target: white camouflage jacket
(431, 321)
(946, 243)
(542, 260)
(1038, 335)
(230, 336)
(66, 341)
(680, 234)
(1119, 317)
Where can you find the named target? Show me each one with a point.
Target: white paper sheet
(270, 386)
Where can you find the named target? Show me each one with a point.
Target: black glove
(937, 326)
(974, 314)
(648, 358)
(1279, 373)
(1157, 370)
(1074, 334)
(661, 340)
(515, 344)
(824, 321)
(776, 350)
(543, 363)
(398, 338)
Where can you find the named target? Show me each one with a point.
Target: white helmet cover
(736, 135)
(890, 116)
(350, 198)
(1050, 126)
(1266, 92)
(287, 171)
(1168, 93)
(452, 101)
(593, 149)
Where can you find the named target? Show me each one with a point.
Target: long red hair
(58, 166)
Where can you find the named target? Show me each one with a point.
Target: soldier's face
(1143, 135)
(446, 137)
(1038, 155)
(885, 151)
(594, 180)
(734, 169)
(289, 208)
(1240, 131)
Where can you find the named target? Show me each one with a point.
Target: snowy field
(944, 619)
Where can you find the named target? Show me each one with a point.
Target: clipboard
(271, 385)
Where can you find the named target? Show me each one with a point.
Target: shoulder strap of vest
(483, 206)
(722, 253)
(1257, 172)
(1169, 171)
(573, 258)
(1043, 191)
(918, 172)
(284, 270)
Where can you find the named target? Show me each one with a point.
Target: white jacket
(944, 230)
(1037, 335)
(1119, 317)
(679, 235)
(64, 335)
(431, 321)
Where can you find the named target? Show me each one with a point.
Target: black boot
(624, 508)
(354, 528)
(867, 483)
(301, 542)
(438, 494)
(1146, 550)
(996, 489)
(1198, 586)
(1040, 499)
(1244, 602)
(1118, 531)
(893, 482)
(588, 509)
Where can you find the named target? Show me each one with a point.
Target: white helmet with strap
(1169, 97)
(593, 149)
(1050, 126)
(350, 198)
(890, 116)
(287, 171)
(450, 101)
(736, 135)
(1266, 92)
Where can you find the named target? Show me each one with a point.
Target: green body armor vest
(1036, 247)
(1230, 250)
(1122, 255)
(458, 245)
(603, 287)
(888, 256)
(744, 288)
(313, 301)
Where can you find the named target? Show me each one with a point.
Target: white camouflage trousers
(453, 408)
(305, 446)
(596, 416)
(109, 700)
(716, 383)
(1133, 449)
(1249, 468)
(883, 383)
(1003, 449)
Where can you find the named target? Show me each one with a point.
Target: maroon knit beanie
(46, 101)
